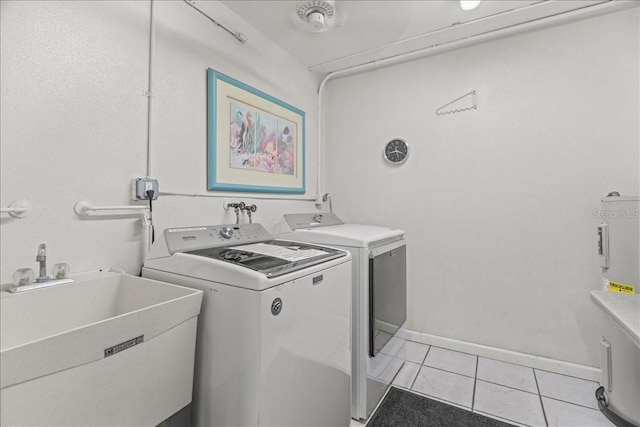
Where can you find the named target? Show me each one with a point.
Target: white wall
(497, 203)
(73, 122)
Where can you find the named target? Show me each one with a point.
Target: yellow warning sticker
(621, 287)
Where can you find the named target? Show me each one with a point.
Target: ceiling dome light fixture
(469, 4)
(318, 14)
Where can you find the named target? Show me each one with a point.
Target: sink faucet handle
(23, 276)
(60, 270)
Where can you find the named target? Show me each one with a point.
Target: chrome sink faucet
(42, 259)
(24, 277)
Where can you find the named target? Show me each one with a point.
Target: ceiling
(368, 30)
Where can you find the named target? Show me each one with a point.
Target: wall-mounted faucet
(237, 207)
(250, 209)
(240, 207)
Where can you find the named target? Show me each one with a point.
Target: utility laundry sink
(107, 349)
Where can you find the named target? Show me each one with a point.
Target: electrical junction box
(140, 186)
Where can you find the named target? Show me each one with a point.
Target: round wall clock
(396, 152)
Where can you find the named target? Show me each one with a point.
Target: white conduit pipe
(149, 91)
(18, 209)
(145, 217)
(84, 208)
(435, 49)
(235, 34)
(12, 210)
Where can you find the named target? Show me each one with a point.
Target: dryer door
(387, 293)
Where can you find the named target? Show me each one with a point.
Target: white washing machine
(274, 335)
(379, 298)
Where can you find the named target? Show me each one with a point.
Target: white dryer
(379, 298)
(274, 336)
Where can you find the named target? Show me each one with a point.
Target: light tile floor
(512, 393)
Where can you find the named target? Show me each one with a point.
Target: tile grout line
(535, 393)
(562, 374)
(475, 381)
(570, 403)
(396, 375)
(421, 365)
(582, 405)
(544, 413)
(457, 351)
(499, 418)
(449, 372)
(424, 359)
(510, 388)
(440, 399)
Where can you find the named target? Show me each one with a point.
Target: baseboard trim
(524, 359)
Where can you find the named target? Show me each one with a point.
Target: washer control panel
(312, 220)
(213, 236)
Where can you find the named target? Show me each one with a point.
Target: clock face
(396, 151)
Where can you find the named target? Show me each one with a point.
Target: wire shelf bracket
(458, 106)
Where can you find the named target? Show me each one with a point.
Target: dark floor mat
(401, 408)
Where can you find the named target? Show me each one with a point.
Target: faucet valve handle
(23, 276)
(60, 270)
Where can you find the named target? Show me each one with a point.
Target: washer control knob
(226, 232)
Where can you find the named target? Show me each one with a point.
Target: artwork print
(255, 141)
(260, 141)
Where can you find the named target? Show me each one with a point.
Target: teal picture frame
(255, 142)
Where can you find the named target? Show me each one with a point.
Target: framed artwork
(255, 142)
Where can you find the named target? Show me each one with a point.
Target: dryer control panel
(213, 236)
(312, 220)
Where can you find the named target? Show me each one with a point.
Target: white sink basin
(101, 314)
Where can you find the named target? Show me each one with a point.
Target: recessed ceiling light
(469, 4)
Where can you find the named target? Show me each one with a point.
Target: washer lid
(353, 235)
(273, 258)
